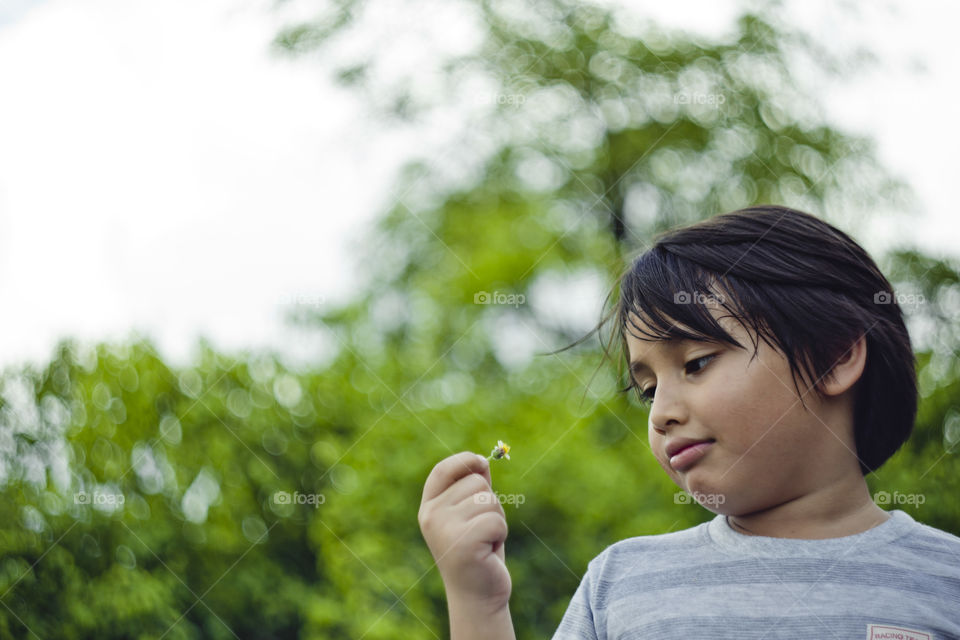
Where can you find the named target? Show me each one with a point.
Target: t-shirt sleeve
(578, 620)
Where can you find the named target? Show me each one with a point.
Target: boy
(779, 372)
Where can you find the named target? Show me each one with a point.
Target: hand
(465, 528)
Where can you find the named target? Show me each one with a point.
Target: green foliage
(600, 154)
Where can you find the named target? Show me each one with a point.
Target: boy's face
(766, 448)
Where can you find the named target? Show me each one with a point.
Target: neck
(831, 512)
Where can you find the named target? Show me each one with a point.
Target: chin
(720, 509)
(708, 496)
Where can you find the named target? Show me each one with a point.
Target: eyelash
(646, 396)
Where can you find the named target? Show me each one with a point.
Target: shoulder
(930, 547)
(939, 536)
(627, 556)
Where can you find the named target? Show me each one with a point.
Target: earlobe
(847, 370)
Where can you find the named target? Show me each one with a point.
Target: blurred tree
(138, 498)
(236, 498)
(600, 130)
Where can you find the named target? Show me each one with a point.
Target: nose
(668, 409)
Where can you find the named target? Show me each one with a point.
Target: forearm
(469, 621)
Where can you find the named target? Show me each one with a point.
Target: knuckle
(424, 517)
(477, 482)
(469, 484)
(498, 521)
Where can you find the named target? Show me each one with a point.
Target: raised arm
(465, 528)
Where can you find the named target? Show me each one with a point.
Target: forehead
(644, 347)
(642, 333)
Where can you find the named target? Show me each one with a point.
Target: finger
(451, 469)
(485, 472)
(477, 503)
(489, 527)
(466, 486)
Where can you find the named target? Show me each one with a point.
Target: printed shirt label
(886, 632)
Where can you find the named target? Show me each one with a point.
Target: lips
(676, 446)
(688, 456)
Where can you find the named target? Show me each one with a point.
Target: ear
(847, 370)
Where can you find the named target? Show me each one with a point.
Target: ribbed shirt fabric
(897, 581)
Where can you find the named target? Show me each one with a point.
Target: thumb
(485, 470)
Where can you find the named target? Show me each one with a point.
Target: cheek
(655, 439)
(760, 416)
(656, 446)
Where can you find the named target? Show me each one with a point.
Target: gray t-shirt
(897, 581)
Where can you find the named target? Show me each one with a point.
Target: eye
(698, 360)
(646, 395)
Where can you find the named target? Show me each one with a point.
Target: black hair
(804, 287)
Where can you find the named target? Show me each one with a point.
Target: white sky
(160, 170)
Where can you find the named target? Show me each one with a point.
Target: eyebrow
(638, 366)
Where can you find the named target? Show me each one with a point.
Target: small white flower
(502, 450)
